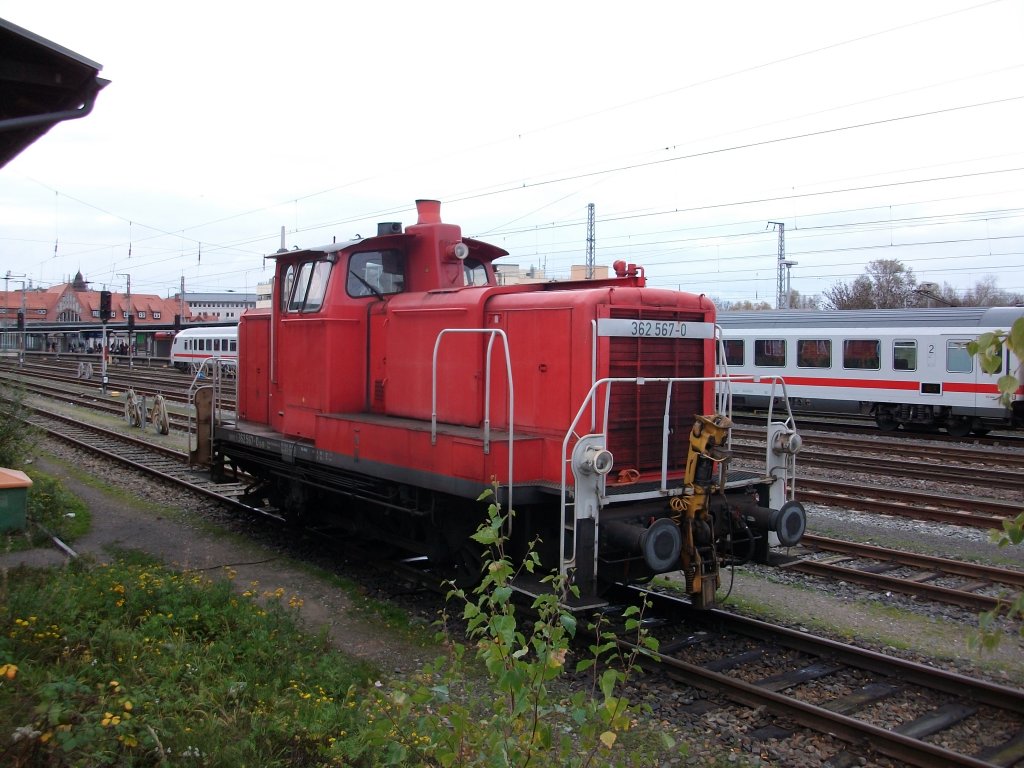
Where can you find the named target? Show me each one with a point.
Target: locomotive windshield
(376, 273)
(305, 293)
(476, 273)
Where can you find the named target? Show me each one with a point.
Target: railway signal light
(105, 311)
(21, 320)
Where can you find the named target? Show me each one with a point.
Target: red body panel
(394, 380)
(356, 377)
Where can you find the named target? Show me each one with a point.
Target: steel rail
(897, 745)
(983, 513)
(1010, 577)
(1003, 450)
(973, 475)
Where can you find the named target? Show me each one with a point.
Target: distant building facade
(75, 302)
(264, 293)
(224, 307)
(513, 274)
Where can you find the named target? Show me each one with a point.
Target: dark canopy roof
(41, 84)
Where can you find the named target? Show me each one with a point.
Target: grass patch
(50, 510)
(129, 663)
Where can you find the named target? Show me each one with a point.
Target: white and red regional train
(906, 367)
(194, 346)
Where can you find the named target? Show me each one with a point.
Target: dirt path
(118, 523)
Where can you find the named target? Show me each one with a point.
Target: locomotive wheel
(468, 563)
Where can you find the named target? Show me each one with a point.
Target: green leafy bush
(17, 438)
(495, 701)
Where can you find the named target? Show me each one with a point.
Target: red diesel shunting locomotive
(394, 379)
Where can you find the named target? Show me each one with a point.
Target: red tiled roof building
(74, 302)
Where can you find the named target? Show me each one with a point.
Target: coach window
(814, 353)
(958, 359)
(770, 353)
(904, 355)
(733, 351)
(862, 353)
(376, 273)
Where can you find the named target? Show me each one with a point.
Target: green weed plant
(18, 438)
(494, 698)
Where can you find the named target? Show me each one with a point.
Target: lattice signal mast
(781, 299)
(590, 241)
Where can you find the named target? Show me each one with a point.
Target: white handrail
(641, 381)
(491, 332)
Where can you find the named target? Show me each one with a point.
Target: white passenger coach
(193, 346)
(906, 367)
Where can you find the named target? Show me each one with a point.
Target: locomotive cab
(393, 380)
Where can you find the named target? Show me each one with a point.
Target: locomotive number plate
(657, 329)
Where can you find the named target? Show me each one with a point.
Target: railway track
(174, 386)
(918, 505)
(969, 585)
(112, 403)
(947, 719)
(851, 424)
(1009, 477)
(160, 462)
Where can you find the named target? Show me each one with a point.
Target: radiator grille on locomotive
(636, 413)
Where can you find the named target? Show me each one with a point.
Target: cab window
(310, 286)
(376, 273)
(317, 286)
(475, 272)
(286, 287)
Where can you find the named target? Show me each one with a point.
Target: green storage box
(14, 487)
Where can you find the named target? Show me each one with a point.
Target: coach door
(933, 367)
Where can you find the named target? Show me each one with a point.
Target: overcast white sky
(871, 129)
